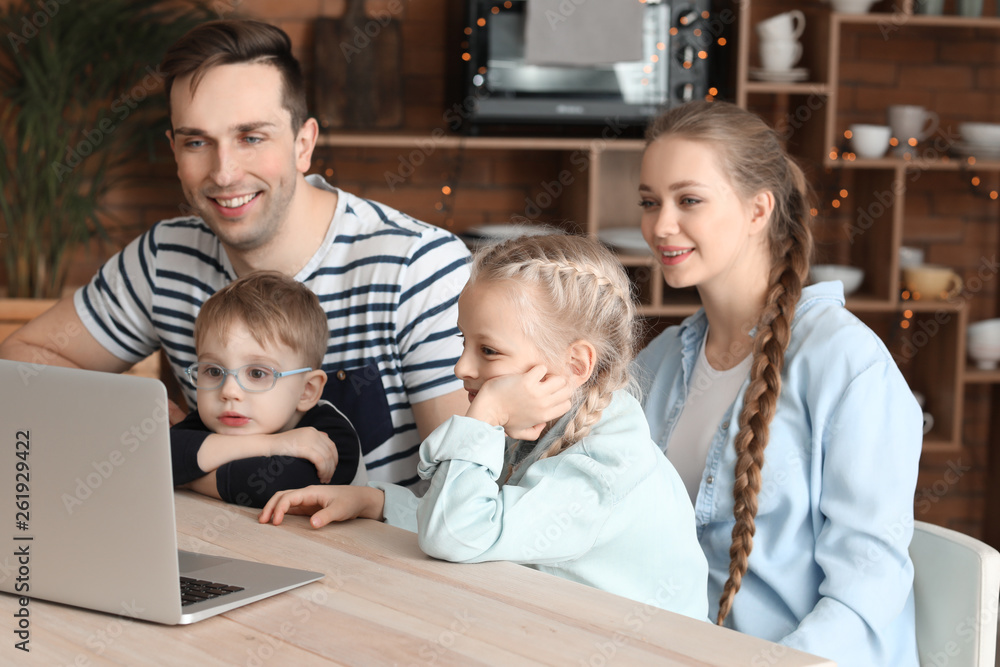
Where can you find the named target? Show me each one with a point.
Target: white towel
(583, 32)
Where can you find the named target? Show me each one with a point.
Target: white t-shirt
(711, 395)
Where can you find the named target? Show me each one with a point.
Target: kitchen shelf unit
(808, 114)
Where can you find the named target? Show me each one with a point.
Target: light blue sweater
(610, 511)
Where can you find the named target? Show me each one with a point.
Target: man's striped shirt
(389, 285)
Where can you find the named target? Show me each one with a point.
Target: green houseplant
(80, 99)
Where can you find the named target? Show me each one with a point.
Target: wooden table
(382, 602)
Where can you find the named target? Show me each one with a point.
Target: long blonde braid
(571, 288)
(751, 153)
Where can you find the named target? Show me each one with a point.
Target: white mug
(910, 121)
(870, 141)
(786, 26)
(780, 55)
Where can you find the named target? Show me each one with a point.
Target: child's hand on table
(325, 504)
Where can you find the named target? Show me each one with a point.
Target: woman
(788, 420)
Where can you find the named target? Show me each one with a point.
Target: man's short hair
(233, 42)
(274, 308)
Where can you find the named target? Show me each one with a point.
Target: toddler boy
(260, 425)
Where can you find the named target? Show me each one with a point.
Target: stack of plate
(491, 233)
(626, 240)
(981, 140)
(779, 76)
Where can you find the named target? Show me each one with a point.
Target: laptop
(87, 502)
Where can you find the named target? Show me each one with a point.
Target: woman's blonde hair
(751, 154)
(565, 289)
(274, 308)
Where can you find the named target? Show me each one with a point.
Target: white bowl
(982, 135)
(851, 6)
(983, 342)
(850, 276)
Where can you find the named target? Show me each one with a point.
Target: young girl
(549, 327)
(807, 539)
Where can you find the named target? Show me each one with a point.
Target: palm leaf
(62, 88)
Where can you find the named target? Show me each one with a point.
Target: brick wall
(953, 72)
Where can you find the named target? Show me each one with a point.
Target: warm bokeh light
(713, 91)
(848, 134)
(705, 15)
(446, 190)
(495, 10)
(673, 33)
(843, 193)
(904, 324)
(893, 141)
(654, 58)
(835, 203)
(328, 173)
(911, 141)
(481, 22)
(813, 212)
(466, 57)
(975, 180)
(722, 41)
(833, 155)
(907, 314)
(993, 195)
(703, 54)
(468, 31)
(660, 46)
(905, 295)
(647, 69)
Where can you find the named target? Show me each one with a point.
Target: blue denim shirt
(610, 511)
(830, 572)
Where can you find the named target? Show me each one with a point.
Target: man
(243, 143)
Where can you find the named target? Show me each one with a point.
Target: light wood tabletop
(382, 602)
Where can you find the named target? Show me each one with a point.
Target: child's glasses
(252, 377)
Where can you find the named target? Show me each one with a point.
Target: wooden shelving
(936, 364)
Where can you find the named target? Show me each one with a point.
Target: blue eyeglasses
(252, 377)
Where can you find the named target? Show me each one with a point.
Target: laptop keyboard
(196, 590)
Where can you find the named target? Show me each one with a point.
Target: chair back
(956, 583)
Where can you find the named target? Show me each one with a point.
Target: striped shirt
(388, 283)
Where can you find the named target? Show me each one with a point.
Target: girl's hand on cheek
(522, 403)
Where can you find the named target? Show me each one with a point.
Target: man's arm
(57, 337)
(433, 412)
